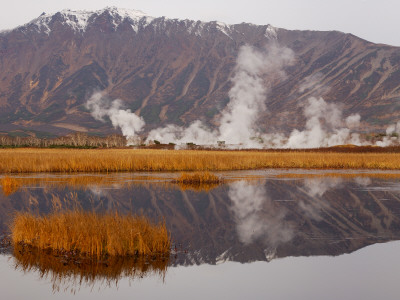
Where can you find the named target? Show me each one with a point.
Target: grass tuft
(91, 234)
(198, 181)
(198, 178)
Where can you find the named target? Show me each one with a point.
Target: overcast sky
(374, 20)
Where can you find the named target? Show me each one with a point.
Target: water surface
(279, 234)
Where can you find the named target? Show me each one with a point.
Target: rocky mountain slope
(176, 71)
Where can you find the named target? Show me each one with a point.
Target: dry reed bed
(197, 187)
(198, 181)
(198, 178)
(91, 234)
(125, 160)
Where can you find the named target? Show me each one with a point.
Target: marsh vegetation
(90, 234)
(198, 181)
(130, 160)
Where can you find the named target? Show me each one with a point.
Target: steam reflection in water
(315, 188)
(256, 216)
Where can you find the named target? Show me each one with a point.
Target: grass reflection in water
(69, 273)
(196, 181)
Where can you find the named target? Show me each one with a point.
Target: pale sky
(374, 20)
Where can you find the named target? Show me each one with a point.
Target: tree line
(73, 140)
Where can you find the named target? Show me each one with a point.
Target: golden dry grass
(127, 160)
(197, 187)
(198, 181)
(198, 178)
(88, 233)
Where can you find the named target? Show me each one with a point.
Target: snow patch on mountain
(79, 20)
(223, 28)
(271, 32)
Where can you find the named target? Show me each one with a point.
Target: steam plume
(325, 124)
(247, 100)
(129, 123)
(325, 127)
(393, 133)
(249, 91)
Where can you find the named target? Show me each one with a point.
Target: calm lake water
(273, 234)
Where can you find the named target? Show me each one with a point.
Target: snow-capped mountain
(120, 19)
(79, 20)
(176, 71)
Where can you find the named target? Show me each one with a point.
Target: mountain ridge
(177, 71)
(78, 20)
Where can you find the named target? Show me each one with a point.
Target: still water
(263, 234)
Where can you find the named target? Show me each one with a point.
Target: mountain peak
(124, 12)
(79, 19)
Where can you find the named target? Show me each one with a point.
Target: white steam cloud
(248, 94)
(324, 127)
(393, 133)
(325, 124)
(247, 100)
(129, 123)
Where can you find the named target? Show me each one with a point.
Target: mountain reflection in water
(244, 220)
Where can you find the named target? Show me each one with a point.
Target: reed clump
(130, 160)
(198, 178)
(198, 181)
(90, 234)
(197, 187)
